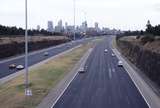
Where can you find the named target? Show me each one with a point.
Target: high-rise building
(66, 24)
(96, 26)
(60, 23)
(50, 26)
(84, 26)
(38, 27)
(66, 27)
(59, 27)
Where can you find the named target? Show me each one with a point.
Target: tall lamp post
(85, 18)
(28, 92)
(74, 15)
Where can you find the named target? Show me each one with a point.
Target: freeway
(36, 57)
(104, 85)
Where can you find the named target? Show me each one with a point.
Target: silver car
(19, 67)
(120, 63)
(105, 50)
(46, 53)
(113, 54)
(82, 69)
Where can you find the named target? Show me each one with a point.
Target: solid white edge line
(139, 90)
(66, 86)
(31, 53)
(11, 76)
(39, 51)
(64, 90)
(114, 50)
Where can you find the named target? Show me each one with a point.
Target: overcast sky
(119, 14)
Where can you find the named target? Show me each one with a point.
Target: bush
(138, 37)
(146, 39)
(147, 61)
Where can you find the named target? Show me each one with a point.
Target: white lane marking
(135, 83)
(32, 53)
(88, 54)
(110, 73)
(113, 69)
(41, 50)
(127, 98)
(11, 76)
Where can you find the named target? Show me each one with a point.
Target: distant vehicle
(68, 45)
(120, 63)
(105, 50)
(46, 53)
(12, 66)
(19, 67)
(113, 54)
(83, 69)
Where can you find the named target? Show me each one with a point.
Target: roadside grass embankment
(13, 46)
(42, 80)
(145, 57)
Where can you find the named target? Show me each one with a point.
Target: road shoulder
(145, 90)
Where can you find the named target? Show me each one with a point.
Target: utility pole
(74, 15)
(28, 92)
(85, 18)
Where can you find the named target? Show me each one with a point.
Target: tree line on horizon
(150, 34)
(149, 31)
(153, 30)
(14, 31)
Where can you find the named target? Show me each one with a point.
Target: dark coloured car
(12, 66)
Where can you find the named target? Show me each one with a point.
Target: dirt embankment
(14, 46)
(145, 56)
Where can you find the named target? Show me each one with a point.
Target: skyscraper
(96, 26)
(84, 26)
(38, 27)
(66, 25)
(59, 27)
(60, 23)
(50, 26)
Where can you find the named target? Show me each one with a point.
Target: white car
(46, 53)
(113, 54)
(81, 70)
(120, 63)
(105, 50)
(19, 67)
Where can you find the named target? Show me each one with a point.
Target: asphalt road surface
(104, 85)
(35, 57)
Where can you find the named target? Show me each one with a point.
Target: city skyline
(62, 26)
(122, 14)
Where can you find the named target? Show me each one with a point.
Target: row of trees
(150, 31)
(133, 33)
(10, 31)
(154, 30)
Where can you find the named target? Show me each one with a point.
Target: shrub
(138, 37)
(146, 39)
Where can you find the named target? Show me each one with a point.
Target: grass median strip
(42, 79)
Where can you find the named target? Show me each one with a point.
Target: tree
(149, 28)
(10, 31)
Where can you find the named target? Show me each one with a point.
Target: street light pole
(74, 12)
(85, 18)
(27, 90)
